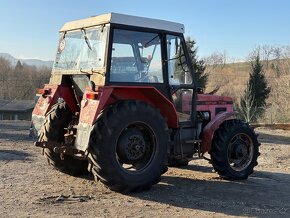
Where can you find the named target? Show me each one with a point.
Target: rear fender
(211, 127)
(105, 96)
(47, 100)
(94, 102)
(53, 93)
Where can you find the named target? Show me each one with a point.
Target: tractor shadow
(16, 136)
(274, 139)
(204, 169)
(12, 155)
(14, 131)
(263, 194)
(14, 125)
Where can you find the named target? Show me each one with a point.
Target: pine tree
(18, 67)
(198, 65)
(260, 90)
(253, 102)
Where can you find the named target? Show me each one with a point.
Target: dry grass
(232, 79)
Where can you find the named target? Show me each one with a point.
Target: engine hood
(206, 99)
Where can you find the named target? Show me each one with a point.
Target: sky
(29, 29)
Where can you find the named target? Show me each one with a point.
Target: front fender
(212, 126)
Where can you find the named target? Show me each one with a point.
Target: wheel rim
(240, 152)
(136, 147)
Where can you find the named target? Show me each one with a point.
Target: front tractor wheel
(128, 147)
(235, 150)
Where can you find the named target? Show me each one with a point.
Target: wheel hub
(240, 154)
(240, 149)
(131, 146)
(135, 147)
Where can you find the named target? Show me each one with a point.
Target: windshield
(81, 49)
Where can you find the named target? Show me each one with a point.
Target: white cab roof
(125, 20)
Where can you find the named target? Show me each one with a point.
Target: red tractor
(122, 103)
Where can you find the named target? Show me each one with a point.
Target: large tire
(235, 150)
(128, 147)
(56, 120)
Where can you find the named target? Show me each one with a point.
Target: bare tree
(5, 70)
(216, 61)
(215, 65)
(21, 81)
(266, 53)
(247, 108)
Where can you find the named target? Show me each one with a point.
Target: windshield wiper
(86, 39)
(85, 72)
(91, 73)
(151, 40)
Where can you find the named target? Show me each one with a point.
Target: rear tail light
(92, 96)
(43, 92)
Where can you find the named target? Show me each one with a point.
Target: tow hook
(61, 149)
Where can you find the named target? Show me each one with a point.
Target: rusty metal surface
(83, 136)
(59, 148)
(91, 108)
(36, 125)
(55, 92)
(67, 150)
(49, 145)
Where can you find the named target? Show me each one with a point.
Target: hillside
(21, 81)
(31, 62)
(232, 79)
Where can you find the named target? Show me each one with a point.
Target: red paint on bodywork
(111, 94)
(213, 98)
(211, 127)
(45, 102)
(91, 108)
(205, 102)
(210, 103)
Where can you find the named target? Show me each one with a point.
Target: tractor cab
(120, 50)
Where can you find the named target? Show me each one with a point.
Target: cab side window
(179, 74)
(178, 71)
(136, 57)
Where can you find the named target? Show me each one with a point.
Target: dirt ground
(29, 187)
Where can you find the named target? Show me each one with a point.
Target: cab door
(180, 78)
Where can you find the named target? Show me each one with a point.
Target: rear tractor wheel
(56, 120)
(128, 147)
(235, 150)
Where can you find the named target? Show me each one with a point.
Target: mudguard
(52, 93)
(212, 126)
(94, 102)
